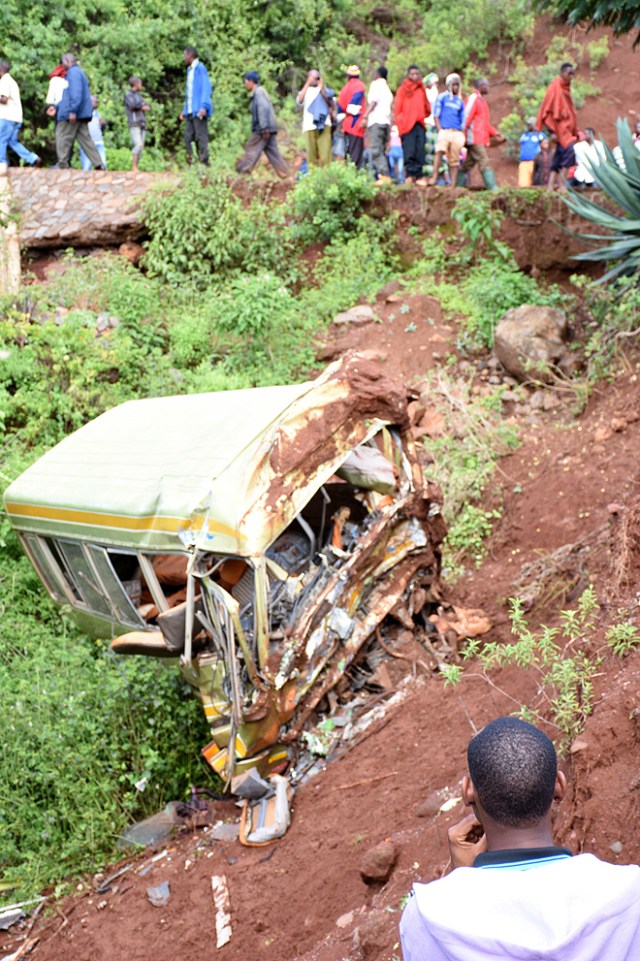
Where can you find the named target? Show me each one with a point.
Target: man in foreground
(73, 113)
(512, 893)
(198, 107)
(264, 130)
(11, 120)
(558, 115)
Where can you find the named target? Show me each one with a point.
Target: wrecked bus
(257, 536)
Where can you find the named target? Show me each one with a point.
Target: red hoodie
(477, 126)
(353, 102)
(412, 105)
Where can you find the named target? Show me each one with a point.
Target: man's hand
(265, 134)
(51, 111)
(4, 99)
(72, 118)
(181, 117)
(145, 107)
(466, 841)
(202, 113)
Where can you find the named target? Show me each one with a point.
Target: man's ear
(561, 787)
(468, 791)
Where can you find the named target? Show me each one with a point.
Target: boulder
(531, 340)
(361, 314)
(378, 863)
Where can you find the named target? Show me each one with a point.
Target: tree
(622, 15)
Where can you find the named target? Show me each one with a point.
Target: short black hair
(133, 80)
(412, 66)
(513, 767)
(566, 66)
(382, 72)
(5, 65)
(192, 51)
(478, 81)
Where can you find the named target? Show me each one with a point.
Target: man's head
(513, 770)
(313, 78)
(190, 54)
(382, 72)
(453, 83)
(482, 85)
(353, 72)
(68, 60)
(5, 66)
(135, 83)
(567, 72)
(531, 123)
(94, 102)
(431, 79)
(251, 79)
(544, 144)
(413, 73)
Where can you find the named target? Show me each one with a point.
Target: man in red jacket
(478, 131)
(411, 110)
(353, 103)
(558, 114)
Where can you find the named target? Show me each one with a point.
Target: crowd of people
(422, 134)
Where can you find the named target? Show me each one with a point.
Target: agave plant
(619, 178)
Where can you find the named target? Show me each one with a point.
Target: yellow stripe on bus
(150, 522)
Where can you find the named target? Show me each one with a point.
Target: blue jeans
(396, 164)
(86, 163)
(9, 130)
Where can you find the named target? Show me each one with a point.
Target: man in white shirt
(11, 120)
(316, 105)
(377, 119)
(512, 893)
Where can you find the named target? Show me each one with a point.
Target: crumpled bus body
(258, 536)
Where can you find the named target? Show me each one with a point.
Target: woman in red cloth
(411, 110)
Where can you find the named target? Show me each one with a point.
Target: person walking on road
(73, 113)
(478, 132)
(449, 121)
(264, 130)
(11, 120)
(557, 114)
(377, 119)
(198, 107)
(317, 105)
(411, 111)
(137, 109)
(353, 103)
(96, 130)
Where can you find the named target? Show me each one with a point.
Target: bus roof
(225, 472)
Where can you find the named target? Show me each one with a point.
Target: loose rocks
(379, 862)
(531, 340)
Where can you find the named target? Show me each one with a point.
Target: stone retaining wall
(74, 208)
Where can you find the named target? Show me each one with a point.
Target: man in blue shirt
(449, 116)
(73, 114)
(529, 150)
(197, 106)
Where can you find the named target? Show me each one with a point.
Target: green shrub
(80, 728)
(597, 50)
(327, 203)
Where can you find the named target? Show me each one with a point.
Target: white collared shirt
(12, 110)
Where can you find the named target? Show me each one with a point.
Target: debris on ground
(222, 904)
(379, 862)
(158, 894)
